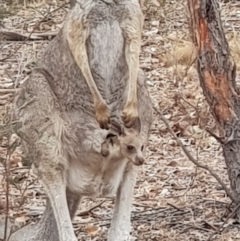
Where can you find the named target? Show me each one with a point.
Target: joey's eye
(142, 148)
(130, 148)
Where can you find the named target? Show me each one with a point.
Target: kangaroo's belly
(98, 178)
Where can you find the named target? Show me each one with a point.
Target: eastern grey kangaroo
(55, 116)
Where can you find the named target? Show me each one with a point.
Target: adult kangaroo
(57, 116)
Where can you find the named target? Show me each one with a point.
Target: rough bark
(72, 3)
(217, 75)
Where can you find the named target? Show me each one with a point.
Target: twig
(84, 213)
(7, 91)
(210, 225)
(190, 104)
(6, 167)
(172, 205)
(194, 227)
(184, 99)
(12, 36)
(192, 159)
(221, 229)
(219, 139)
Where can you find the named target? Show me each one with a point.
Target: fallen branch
(13, 36)
(7, 91)
(172, 205)
(86, 212)
(6, 96)
(192, 159)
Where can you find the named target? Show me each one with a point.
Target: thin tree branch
(192, 159)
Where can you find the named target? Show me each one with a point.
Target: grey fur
(56, 119)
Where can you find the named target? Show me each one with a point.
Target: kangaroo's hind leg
(121, 221)
(46, 228)
(40, 125)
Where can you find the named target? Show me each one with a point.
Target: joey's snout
(138, 161)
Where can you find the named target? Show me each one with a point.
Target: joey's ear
(112, 138)
(117, 127)
(110, 135)
(137, 125)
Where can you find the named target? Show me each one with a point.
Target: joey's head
(132, 146)
(130, 143)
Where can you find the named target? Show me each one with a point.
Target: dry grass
(182, 52)
(234, 44)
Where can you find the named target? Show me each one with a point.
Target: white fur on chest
(101, 178)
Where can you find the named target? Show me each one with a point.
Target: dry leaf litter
(174, 200)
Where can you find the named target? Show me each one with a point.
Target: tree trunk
(72, 3)
(217, 73)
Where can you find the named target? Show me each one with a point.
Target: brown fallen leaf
(92, 230)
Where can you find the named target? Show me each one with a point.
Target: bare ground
(174, 199)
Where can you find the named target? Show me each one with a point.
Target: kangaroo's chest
(106, 50)
(106, 54)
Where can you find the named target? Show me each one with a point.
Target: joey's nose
(139, 161)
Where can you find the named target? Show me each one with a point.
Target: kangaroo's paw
(105, 149)
(130, 114)
(103, 115)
